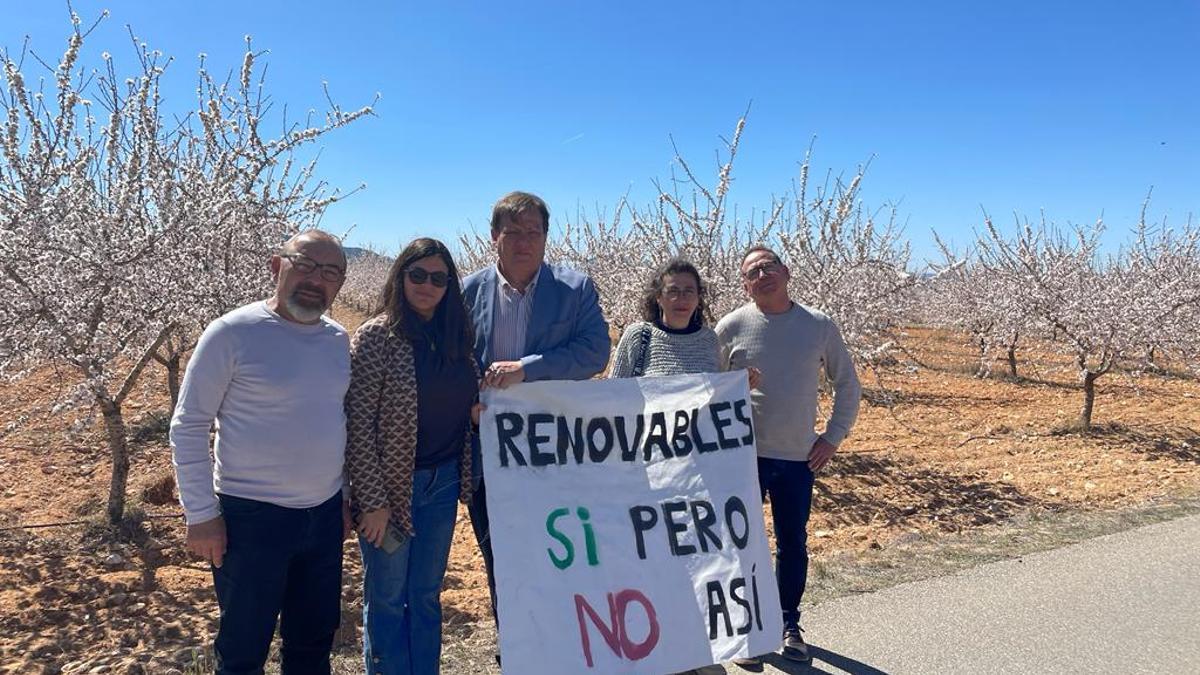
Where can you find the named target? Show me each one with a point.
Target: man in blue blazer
(533, 321)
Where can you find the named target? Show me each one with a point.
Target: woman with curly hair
(673, 337)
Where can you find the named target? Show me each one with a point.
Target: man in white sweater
(270, 518)
(789, 343)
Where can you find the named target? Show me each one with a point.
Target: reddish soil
(950, 453)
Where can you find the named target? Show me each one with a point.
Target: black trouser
(279, 561)
(789, 485)
(477, 509)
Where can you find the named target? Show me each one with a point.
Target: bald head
(314, 238)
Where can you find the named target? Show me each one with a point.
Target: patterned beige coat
(381, 424)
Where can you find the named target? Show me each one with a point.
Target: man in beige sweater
(789, 343)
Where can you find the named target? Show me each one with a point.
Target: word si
(589, 538)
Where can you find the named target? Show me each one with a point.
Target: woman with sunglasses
(672, 338)
(412, 387)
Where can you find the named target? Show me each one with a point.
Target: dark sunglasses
(418, 276)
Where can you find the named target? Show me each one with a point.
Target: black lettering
(508, 426)
(674, 529)
(570, 437)
(680, 442)
(739, 411)
(704, 522)
(629, 449)
(536, 456)
(716, 605)
(754, 594)
(719, 423)
(657, 436)
(733, 506)
(701, 444)
(644, 519)
(597, 453)
(739, 584)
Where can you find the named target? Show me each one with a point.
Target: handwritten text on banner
(627, 525)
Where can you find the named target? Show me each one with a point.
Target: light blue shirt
(511, 320)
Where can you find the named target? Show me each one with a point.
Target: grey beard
(302, 313)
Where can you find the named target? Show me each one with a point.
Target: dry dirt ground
(943, 454)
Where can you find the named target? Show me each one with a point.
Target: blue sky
(1073, 108)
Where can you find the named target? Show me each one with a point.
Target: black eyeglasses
(306, 265)
(769, 267)
(418, 276)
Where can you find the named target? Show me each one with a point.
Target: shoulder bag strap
(643, 353)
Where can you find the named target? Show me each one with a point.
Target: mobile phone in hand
(392, 540)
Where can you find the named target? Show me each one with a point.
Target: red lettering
(614, 632)
(632, 651)
(612, 636)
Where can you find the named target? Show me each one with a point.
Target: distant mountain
(354, 253)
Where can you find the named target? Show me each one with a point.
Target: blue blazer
(567, 337)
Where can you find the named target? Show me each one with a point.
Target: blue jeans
(285, 564)
(789, 486)
(402, 608)
(477, 509)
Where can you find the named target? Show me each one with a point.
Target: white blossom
(118, 246)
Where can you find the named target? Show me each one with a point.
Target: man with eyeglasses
(533, 321)
(789, 343)
(270, 519)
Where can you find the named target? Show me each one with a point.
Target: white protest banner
(626, 525)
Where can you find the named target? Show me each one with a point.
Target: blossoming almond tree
(366, 274)
(964, 296)
(1164, 264)
(1102, 309)
(621, 251)
(236, 197)
(843, 261)
(121, 234)
(847, 262)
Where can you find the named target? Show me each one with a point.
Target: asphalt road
(1123, 603)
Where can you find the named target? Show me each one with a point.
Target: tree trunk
(173, 374)
(1089, 399)
(982, 370)
(174, 346)
(1012, 361)
(114, 425)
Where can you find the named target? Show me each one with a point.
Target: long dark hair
(450, 317)
(653, 313)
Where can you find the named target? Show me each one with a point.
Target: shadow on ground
(822, 659)
(1180, 444)
(900, 490)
